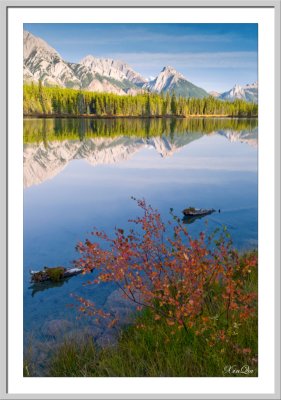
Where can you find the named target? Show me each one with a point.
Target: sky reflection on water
(209, 172)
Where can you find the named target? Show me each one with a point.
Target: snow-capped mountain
(251, 86)
(32, 44)
(248, 92)
(170, 80)
(42, 62)
(165, 80)
(113, 69)
(237, 92)
(251, 91)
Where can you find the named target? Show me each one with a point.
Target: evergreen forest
(39, 100)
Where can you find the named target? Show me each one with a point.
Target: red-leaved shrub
(200, 284)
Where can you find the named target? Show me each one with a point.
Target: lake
(82, 173)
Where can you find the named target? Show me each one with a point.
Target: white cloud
(138, 35)
(233, 60)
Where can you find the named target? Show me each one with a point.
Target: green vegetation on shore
(40, 100)
(150, 348)
(196, 298)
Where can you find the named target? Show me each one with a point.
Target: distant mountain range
(42, 62)
(247, 92)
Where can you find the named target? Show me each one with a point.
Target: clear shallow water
(80, 174)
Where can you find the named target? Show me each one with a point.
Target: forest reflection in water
(38, 130)
(80, 173)
(50, 144)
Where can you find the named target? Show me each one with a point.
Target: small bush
(197, 297)
(200, 285)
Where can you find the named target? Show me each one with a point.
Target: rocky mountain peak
(42, 62)
(247, 92)
(115, 69)
(33, 44)
(170, 69)
(237, 90)
(166, 80)
(253, 85)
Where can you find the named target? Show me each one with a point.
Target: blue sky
(212, 56)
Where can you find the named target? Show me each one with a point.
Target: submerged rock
(56, 327)
(121, 307)
(122, 310)
(108, 338)
(78, 335)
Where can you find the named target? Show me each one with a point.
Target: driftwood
(197, 212)
(55, 274)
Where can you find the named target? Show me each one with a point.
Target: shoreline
(93, 116)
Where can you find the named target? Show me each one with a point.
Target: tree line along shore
(41, 101)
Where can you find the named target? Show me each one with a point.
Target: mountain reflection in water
(50, 144)
(80, 174)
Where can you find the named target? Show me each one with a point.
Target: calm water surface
(82, 173)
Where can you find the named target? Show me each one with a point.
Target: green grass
(151, 348)
(153, 351)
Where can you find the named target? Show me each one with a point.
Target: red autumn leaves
(192, 284)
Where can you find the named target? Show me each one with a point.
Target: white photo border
(268, 159)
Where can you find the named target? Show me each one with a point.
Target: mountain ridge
(248, 92)
(42, 62)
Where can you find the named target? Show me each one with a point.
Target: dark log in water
(197, 212)
(55, 274)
